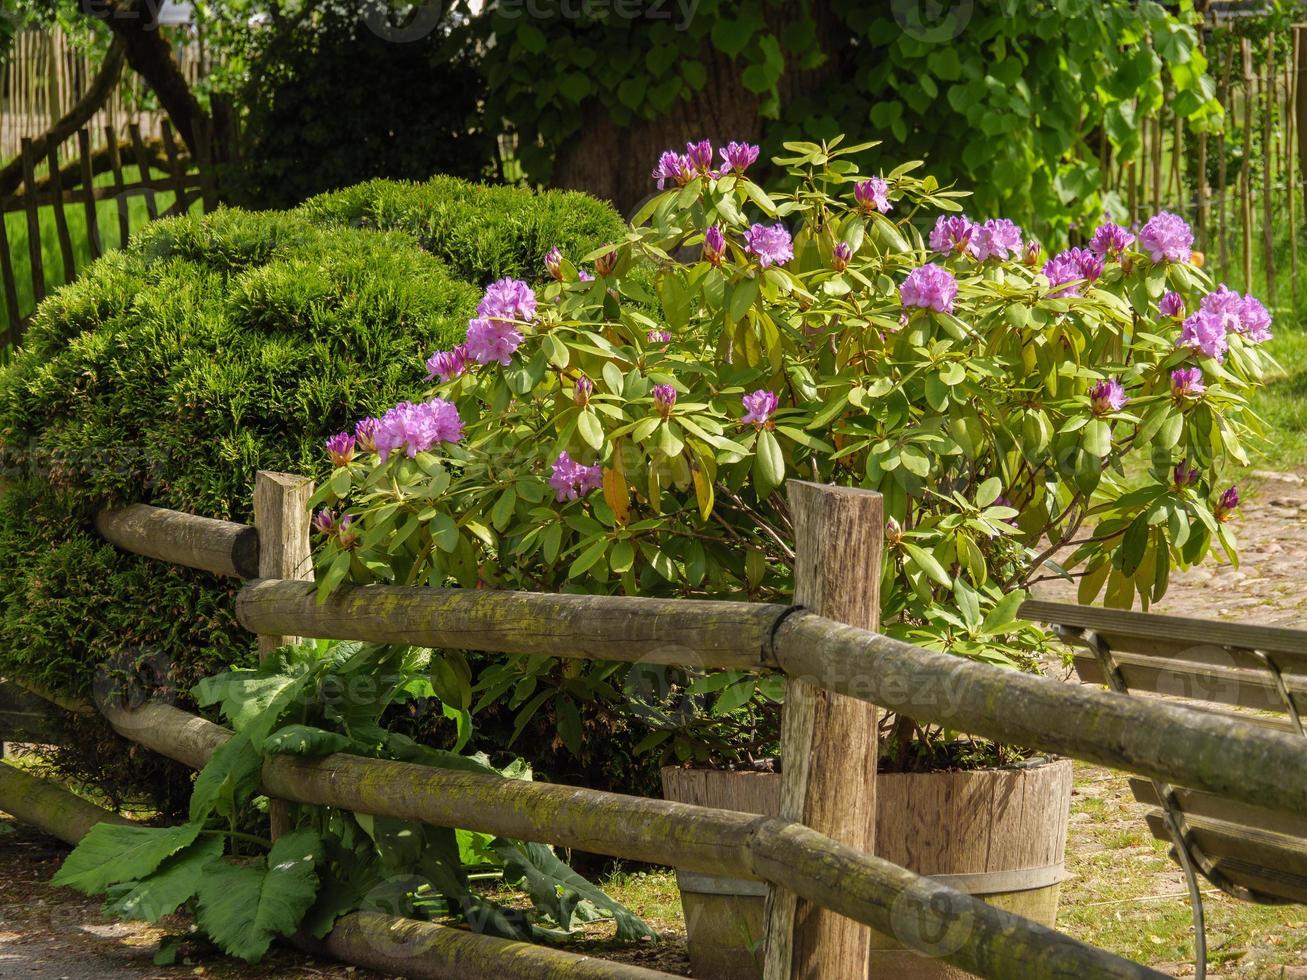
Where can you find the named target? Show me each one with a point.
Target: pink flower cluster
(1107, 396)
(930, 287)
(770, 244)
(1167, 236)
(416, 428)
(572, 480)
(1072, 266)
(997, 238)
(1110, 240)
(759, 407)
(680, 168)
(1222, 313)
(872, 195)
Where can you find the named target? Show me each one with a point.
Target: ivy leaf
(174, 882)
(110, 853)
(227, 780)
(242, 907)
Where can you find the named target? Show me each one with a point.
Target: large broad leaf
(110, 853)
(558, 890)
(174, 882)
(243, 907)
(305, 740)
(228, 780)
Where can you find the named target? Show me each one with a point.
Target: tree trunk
(614, 162)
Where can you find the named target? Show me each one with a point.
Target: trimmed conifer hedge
(210, 349)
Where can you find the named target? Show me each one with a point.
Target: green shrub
(482, 231)
(171, 373)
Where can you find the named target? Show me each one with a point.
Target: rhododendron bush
(628, 428)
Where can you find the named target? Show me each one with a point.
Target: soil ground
(1125, 895)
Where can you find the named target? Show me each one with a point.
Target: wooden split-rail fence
(56, 179)
(825, 886)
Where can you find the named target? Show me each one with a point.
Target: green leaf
(228, 779)
(305, 740)
(242, 907)
(110, 853)
(769, 463)
(172, 883)
(988, 491)
(588, 425)
(927, 563)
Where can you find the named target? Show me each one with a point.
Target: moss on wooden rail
(1235, 759)
(656, 631)
(408, 947)
(873, 891)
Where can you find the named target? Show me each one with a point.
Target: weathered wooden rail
(842, 664)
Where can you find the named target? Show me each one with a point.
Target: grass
(51, 255)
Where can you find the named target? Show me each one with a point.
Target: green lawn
(52, 257)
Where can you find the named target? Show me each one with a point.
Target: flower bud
(605, 264)
(1227, 505)
(840, 256)
(582, 390)
(554, 263)
(714, 244)
(664, 397)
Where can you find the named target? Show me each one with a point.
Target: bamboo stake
(10, 285)
(828, 742)
(120, 195)
(1268, 186)
(88, 194)
(143, 165)
(60, 216)
(1222, 160)
(1245, 189)
(1293, 70)
(33, 223)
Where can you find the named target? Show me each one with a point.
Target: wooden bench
(1255, 673)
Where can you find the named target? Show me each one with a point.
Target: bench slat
(1172, 630)
(1198, 804)
(1269, 863)
(1198, 682)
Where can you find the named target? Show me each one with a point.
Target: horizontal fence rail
(725, 842)
(1215, 754)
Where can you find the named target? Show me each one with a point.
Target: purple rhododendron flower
(582, 390)
(1206, 332)
(1110, 240)
(365, 432)
(954, 235)
(489, 341)
(415, 428)
(1107, 396)
(447, 364)
(571, 480)
(871, 195)
(759, 407)
(1167, 236)
(673, 167)
(931, 287)
(664, 397)
(1069, 266)
(340, 448)
(1033, 251)
(699, 155)
(840, 256)
(737, 157)
(1172, 305)
(1187, 382)
(584, 276)
(771, 244)
(1243, 315)
(1185, 475)
(508, 299)
(554, 263)
(1255, 319)
(325, 522)
(997, 238)
(659, 337)
(1227, 505)
(714, 244)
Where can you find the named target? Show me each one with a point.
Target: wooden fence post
(281, 514)
(828, 741)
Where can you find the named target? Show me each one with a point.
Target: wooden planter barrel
(999, 834)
